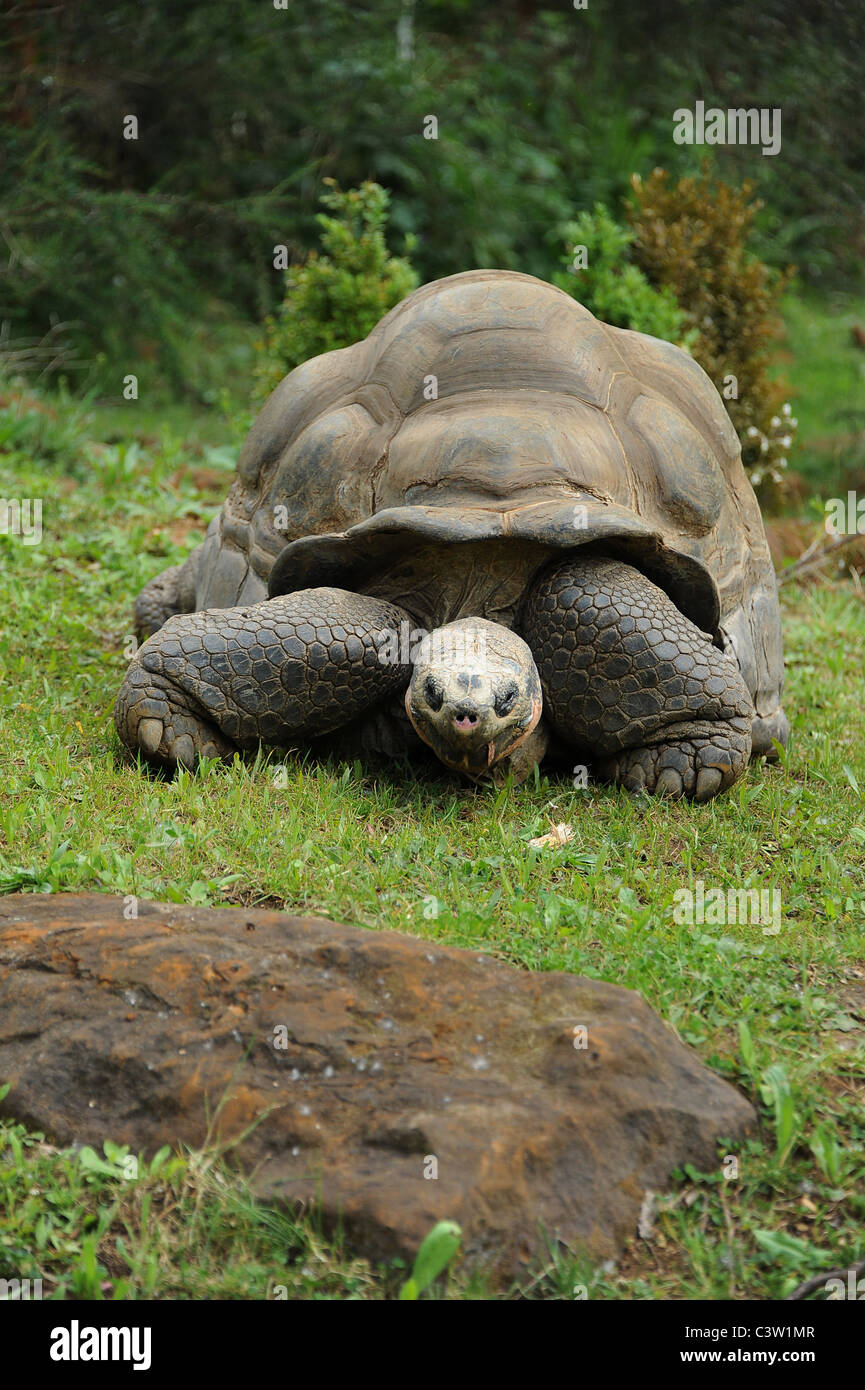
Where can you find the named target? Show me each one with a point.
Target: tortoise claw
(709, 781)
(183, 751)
(150, 736)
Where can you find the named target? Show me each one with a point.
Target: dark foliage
(244, 108)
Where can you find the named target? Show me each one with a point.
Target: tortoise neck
(439, 584)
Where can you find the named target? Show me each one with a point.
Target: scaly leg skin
(158, 601)
(628, 679)
(207, 684)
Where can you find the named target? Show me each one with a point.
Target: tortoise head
(474, 695)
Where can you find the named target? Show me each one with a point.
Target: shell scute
(685, 478)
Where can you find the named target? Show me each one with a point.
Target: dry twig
(814, 556)
(819, 1280)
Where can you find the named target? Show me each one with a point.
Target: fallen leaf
(556, 835)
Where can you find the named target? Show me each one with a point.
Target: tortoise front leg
(296, 666)
(629, 680)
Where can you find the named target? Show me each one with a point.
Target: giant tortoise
(496, 527)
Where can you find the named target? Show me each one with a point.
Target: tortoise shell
(491, 405)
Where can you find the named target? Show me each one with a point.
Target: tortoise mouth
(345, 559)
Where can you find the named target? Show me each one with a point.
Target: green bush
(610, 285)
(683, 271)
(100, 281)
(337, 296)
(691, 239)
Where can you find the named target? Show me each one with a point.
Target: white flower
(752, 432)
(775, 421)
(764, 446)
(785, 408)
(793, 421)
(756, 477)
(785, 441)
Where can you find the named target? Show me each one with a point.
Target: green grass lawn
(826, 370)
(382, 848)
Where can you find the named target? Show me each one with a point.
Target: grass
(382, 848)
(827, 372)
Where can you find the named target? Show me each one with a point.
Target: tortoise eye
(505, 700)
(433, 694)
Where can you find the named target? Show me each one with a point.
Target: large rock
(397, 1052)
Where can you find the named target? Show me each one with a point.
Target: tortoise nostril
(465, 718)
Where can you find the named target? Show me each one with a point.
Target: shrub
(691, 239)
(337, 296)
(610, 285)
